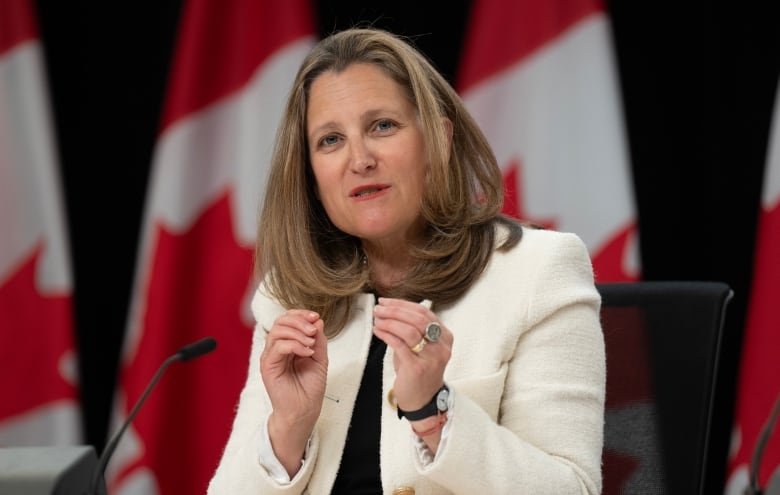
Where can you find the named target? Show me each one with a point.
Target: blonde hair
(308, 263)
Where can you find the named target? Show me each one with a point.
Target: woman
(409, 338)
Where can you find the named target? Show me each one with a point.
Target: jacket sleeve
(548, 435)
(239, 471)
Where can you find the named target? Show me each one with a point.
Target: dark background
(698, 85)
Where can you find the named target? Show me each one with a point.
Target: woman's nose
(361, 157)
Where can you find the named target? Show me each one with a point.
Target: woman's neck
(388, 267)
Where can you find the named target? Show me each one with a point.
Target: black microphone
(186, 353)
(196, 349)
(758, 452)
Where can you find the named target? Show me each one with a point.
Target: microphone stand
(755, 488)
(98, 484)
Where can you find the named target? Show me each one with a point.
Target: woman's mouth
(367, 191)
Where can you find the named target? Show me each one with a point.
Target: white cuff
(269, 461)
(424, 454)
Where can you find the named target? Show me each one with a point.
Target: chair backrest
(662, 343)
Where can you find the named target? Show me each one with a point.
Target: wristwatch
(437, 405)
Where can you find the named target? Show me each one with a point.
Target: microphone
(196, 349)
(186, 353)
(758, 452)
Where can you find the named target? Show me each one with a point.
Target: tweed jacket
(528, 373)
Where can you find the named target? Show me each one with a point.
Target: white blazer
(527, 367)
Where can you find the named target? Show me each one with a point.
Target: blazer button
(404, 490)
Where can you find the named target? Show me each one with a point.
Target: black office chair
(662, 343)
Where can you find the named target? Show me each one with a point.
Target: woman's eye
(384, 125)
(329, 140)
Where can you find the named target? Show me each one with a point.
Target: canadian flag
(759, 377)
(540, 79)
(233, 65)
(40, 403)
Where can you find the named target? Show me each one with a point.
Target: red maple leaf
(608, 265)
(35, 341)
(197, 285)
(608, 261)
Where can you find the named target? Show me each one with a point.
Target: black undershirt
(359, 471)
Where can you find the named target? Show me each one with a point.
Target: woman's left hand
(401, 325)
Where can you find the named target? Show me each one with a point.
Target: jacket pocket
(485, 390)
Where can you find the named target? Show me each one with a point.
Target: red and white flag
(39, 404)
(540, 79)
(759, 376)
(539, 76)
(232, 69)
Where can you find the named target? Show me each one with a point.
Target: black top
(359, 470)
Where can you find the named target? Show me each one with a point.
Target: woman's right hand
(294, 368)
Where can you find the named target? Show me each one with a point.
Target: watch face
(441, 399)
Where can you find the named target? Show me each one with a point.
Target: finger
(295, 325)
(300, 319)
(293, 333)
(320, 345)
(414, 314)
(433, 357)
(385, 320)
(280, 351)
(401, 332)
(392, 340)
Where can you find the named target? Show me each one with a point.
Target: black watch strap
(437, 404)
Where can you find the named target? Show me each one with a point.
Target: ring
(432, 332)
(416, 349)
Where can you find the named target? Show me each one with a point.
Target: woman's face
(368, 154)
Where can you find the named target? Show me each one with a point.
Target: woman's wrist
(428, 426)
(288, 444)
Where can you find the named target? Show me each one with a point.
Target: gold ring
(416, 349)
